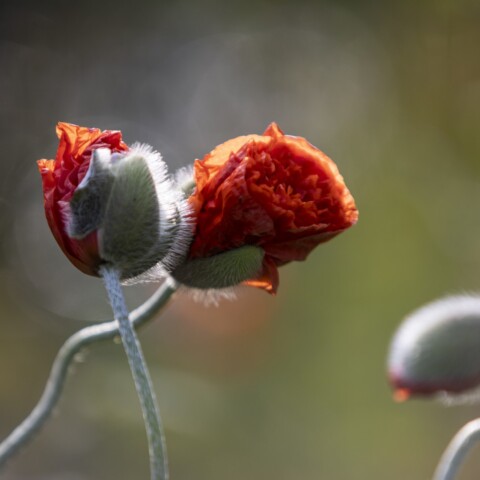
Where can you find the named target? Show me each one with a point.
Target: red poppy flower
(274, 191)
(60, 179)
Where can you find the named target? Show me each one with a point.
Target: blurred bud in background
(437, 350)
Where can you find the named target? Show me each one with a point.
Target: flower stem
(141, 376)
(456, 451)
(66, 355)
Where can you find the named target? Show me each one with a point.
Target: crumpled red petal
(60, 178)
(274, 191)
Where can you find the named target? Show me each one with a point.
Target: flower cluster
(259, 202)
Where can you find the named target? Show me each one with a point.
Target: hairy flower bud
(437, 349)
(110, 203)
(273, 191)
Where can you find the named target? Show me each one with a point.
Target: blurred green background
(263, 388)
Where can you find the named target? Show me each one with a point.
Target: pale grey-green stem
(457, 450)
(157, 448)
(66, 355)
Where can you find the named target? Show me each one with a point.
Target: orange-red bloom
(60, 179)
(274, 191)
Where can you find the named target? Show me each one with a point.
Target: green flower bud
(139, 216)
(437, 349)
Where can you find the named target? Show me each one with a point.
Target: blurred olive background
(263, 388)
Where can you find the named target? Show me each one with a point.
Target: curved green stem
(143, 383)
(58, 374)
(457, 450)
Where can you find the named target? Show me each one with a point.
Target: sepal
(223, 270)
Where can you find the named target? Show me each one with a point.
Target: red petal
(268, 279)
(60, 178)
(275, 191)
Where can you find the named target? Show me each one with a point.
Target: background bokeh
(263, 388)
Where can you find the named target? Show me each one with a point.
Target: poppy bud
(273, 191)
(437, 349)
(108, 203)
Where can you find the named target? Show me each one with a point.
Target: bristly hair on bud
(436, 351)
(212, 278)
(185, 180)
(175, 225)
(211, 296)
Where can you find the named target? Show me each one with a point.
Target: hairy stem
(140, 373)
(456, 451)
(66, 355)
